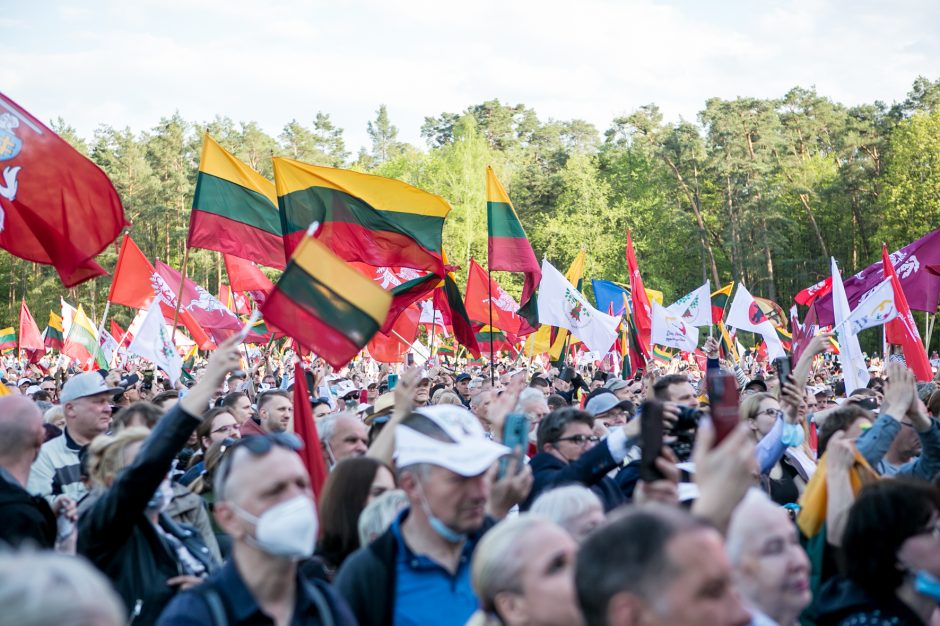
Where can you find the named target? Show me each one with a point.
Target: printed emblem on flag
(10, 146)
(884, 311)
(755, 314)
(575, 311)
(503, 301)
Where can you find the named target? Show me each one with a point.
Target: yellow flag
(541, 340)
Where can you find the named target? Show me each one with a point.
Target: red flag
(902, 330)
(803, 333)
(477, 301)
(123, 337)
(56, 206)
(130, 285)
(809, 295)
(246, 276)
(305, 428)
(391, 347)
(30, 338)
(642, 312)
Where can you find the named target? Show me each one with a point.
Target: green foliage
(759, 190)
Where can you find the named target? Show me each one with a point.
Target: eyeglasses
(228, 428)
(259, 445)
(771, 412)
(580, 440)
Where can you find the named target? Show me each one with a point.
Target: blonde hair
(211, 460)
(106, 454)
(751, 404)
(447, 397)
(53, 413)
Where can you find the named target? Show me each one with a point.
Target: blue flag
(609, 295)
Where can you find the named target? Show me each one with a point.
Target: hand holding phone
(651, 439)
(723, 401)
(516, 438)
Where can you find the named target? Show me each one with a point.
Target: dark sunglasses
(259, 445)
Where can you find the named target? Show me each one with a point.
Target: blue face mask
(444, 531)
(792, 435)
(927, 585)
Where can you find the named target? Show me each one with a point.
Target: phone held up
(516, 438)
(723, 402)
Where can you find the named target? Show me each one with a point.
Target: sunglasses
(259, 445)
(580, 440)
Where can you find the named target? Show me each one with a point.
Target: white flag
(561, 305)
(152, 342)
(744, 314)
(854, 371)
(877, 308)
(695, 308)
(109, 345)
(669, 329)
(431, 316)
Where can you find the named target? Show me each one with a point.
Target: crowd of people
(126, 500)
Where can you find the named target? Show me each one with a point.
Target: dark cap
(462, 377)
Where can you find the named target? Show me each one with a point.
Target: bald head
(21, 433)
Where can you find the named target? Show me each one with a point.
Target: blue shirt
(425, 592)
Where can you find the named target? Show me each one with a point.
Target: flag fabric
(7, 340)
(508, 247)
(375, 220)
(108, 344)
(694, 308)
(661, 354)
(206, 315)
(609, 296)
(490, 339)
(306, 428)
(746, 314)
(641, 303)
(54, 337)
(448, 300)
(153, 342)
(56, 206)
(670, 329)
(81, 343)
(560, 304)
(124, 338)
(477, 301)
(728, 344)
(326, 305)
(877, 308)
(809, 295)
(245, 276)
(547, 338)
(431, 317)
(720, 300)
(854, 370)
(903, 331)
(131, 285)
(911, 263)
(233, 301)
(391, 347)
(30, 338)
(235, 209)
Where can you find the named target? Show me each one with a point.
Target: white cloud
(131, 63)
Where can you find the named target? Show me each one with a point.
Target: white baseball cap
(468, 452)
(344, 388)
(84, 385)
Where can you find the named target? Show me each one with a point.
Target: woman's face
(224, 426)
(922, 551)
(547, 596)
(383, 481)
(582, 525)
(766, 417)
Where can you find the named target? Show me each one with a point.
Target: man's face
(90, 416)
(113, 378)
(422, 391)
(372, 391)
(561, 385)
(270, 381)
(131, 394)
(277, 414)
(224, 427)
(350, 438)
(624, 393)
(683, 393)
(907, 444)
(535, 410)
(701, 594)
(463, 387)
(481, 406)
(812, 405)
(321, 410)
(575, 440)
(773, 572)
(613, 417)
(595, 384)
(241, 410)
(49, 387)
(458, 501)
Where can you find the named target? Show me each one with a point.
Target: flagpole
(433, 320)
(107, 307)
(489, 288)
(179, 296)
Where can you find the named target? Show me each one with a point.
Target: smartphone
(784, 368)
(410, 359)
(515, 435)
(392, 381)
(651, 439)
(723, 402)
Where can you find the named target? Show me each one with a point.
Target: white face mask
(288, 529)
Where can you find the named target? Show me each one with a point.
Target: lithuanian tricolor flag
(235, 209)
(661, 354)
(82, 342)
(491, 339)
(509, 248)
(720, 302)
(54, 337)
(375, 220)
(326, 305)
(7, 340)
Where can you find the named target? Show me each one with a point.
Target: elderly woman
(523, 574)
(575, 508)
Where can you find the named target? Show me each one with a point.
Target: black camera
(684, 432)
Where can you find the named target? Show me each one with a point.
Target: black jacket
(26, 519)
(366, 580)
(115, 534)
(589, 470)
(840, 602)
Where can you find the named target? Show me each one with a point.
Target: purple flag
(921, 287)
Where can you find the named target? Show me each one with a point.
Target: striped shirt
(57, 470)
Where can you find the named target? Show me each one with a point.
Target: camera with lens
(684, 432)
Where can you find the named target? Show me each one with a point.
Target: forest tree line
(759, 190)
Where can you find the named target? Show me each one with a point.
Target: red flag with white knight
(56, 206)
(478, 297)
(903, 330)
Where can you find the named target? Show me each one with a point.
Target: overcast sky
(127, 63)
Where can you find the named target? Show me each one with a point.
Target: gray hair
(326, 427)
(379, 515)
(497, 563)
(565, 504)
(443, 396)
(748, 513)
(51, 415)
(529, 394)
(44, 588)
